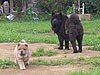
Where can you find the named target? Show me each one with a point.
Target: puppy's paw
(22, 68)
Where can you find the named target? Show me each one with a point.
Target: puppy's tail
(23, 41)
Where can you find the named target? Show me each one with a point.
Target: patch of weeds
(95, 61)
(96, 71)
(65, 51)
(51, 62)
(75, 73)
(60, 62)
(40, 52)
(95, 48)
(50, 53)
(6, 63)
(39, 62)
(81, 58)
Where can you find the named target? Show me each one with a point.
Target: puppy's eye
(24, 49)
(19, 49)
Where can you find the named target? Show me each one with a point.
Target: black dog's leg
(61, 42)
(73, 42)
(79, 40)
(67, 44)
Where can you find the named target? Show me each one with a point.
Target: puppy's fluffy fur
(21, 54)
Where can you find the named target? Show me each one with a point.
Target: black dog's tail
(74, 18)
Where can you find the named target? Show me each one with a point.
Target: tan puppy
(21, 54)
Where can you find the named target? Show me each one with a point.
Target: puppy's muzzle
(22, 53)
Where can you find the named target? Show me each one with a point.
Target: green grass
(91, 27)
(95, 47)
(40, 31)
(41, 52)
(30, 31)
(50, 63)
(94, 61)
(91, 40)
(91, 72)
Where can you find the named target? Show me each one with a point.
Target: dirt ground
(6, 51)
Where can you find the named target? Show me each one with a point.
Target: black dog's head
(56, 21)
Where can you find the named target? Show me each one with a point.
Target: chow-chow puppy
(21, 54)
(58, 21)
(75, 31)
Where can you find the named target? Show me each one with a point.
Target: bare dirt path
(6, 51)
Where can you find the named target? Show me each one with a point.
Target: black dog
(75, 32)
(58, 21)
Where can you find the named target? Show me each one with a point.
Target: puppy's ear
(18, 44)
(26, 45)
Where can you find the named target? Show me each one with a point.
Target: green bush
(47, 6)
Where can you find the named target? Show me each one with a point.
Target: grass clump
(91, 72)
(94, 61)
(51, 62)
(50, 53)
(6, 63)
(41, 52)
(95, 48)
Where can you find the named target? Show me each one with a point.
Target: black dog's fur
(75, 32)
(58, 21)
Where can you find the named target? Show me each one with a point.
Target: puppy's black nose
(21, 52)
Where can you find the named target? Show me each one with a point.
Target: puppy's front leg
(21, 65)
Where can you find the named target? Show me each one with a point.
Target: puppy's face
(22, 49)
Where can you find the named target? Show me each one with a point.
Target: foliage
(18, 7)
(92, 6)
(47, 6)
(51, 5)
